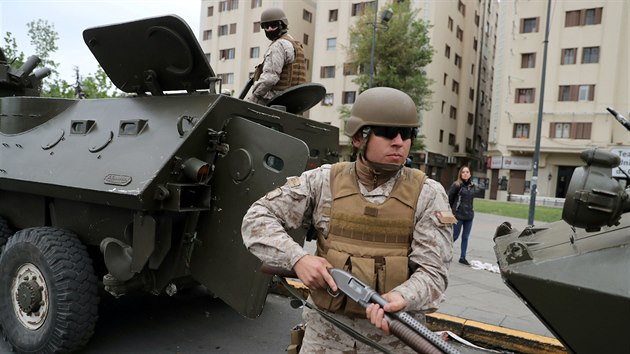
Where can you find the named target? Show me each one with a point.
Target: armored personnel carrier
(144, 192)
(573, 274)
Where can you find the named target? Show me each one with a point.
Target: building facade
(234, 43)
(462, 33)
(586, 72)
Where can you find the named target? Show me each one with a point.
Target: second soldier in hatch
(387, 224)
(283, 65)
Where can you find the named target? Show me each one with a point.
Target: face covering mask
(273, 35)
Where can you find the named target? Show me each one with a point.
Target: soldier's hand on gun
(313, 272)
(376, 314)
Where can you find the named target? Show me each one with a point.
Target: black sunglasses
(391, 132)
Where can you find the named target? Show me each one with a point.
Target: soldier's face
(384, 150)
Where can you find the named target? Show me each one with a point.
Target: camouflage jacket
(306, 198)
(279, 53)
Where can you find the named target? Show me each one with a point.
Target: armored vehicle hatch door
(151, 55)
(259, 160)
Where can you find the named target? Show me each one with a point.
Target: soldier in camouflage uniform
(284, 64)
(387, 224)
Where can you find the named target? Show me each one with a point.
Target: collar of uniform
(372, 175)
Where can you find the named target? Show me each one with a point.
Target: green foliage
(44, 39)
(515, 210)
(402, 51)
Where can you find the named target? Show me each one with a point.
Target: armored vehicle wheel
(48, 291)
(5, 232)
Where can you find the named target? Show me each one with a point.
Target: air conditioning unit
(451, 160)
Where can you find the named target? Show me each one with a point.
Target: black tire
(48, 291)
(5, 232)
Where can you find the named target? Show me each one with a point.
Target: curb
(482, 334)
(496, 337)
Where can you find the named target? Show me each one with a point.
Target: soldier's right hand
(313, 272)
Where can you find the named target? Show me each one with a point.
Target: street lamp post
(385, 17)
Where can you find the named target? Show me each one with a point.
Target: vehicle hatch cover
(150, 55)
(300, 98)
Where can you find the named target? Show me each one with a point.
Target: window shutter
(522, 25)
(591, 92)
(598, 15)
(552, 130)
(574, 92)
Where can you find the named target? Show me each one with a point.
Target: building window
(441, 139)
(254, 52)
(458, 61)
(525, 95)
(475, 43)
(528, 60)
(328, 100)
(327, 72)
(521, 131)
(331, 43)
(453, 113)
(307, 16)
(451, 139)
(207, 35)
(450, 24)
(586, 92)
(443, 105)
(568, 56)
(583, 17)
(332, 15)
(476, 19)
(223, 30)
(348, 97)
(471, 93)
(208, 56)
(445, 79)
(256, 26)
(447, 51)
(350, 69)
(357, 9)
(227, 53)
(459, 34)
(305, 41)
(232, 28)
(471, 118)
(576, 93)
(468, 145)
(256, 3)
(461, 7)
(222, 6)
(227, 78)
(455, 87)
(590, 55)
(210, 10)
(570, 130)
(529, 25)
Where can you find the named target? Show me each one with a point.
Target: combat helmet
(274, 14)
(382, 106)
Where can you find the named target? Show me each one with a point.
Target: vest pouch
(321, 297)
(394, 272)
(362, 268)
(258, 71)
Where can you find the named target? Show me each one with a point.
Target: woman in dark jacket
(460, 196)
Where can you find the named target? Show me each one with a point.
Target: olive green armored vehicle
(140, 193)
(575, 274)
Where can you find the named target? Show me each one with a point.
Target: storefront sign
(517, 163)
(624, 155)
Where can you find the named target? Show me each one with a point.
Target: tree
(401, 53)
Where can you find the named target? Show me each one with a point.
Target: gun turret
(23, 81)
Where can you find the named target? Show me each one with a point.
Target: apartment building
(586, 71)
(462, 33)
(231, 37)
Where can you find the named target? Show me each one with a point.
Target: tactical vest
(292, 73)
(371, 241)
